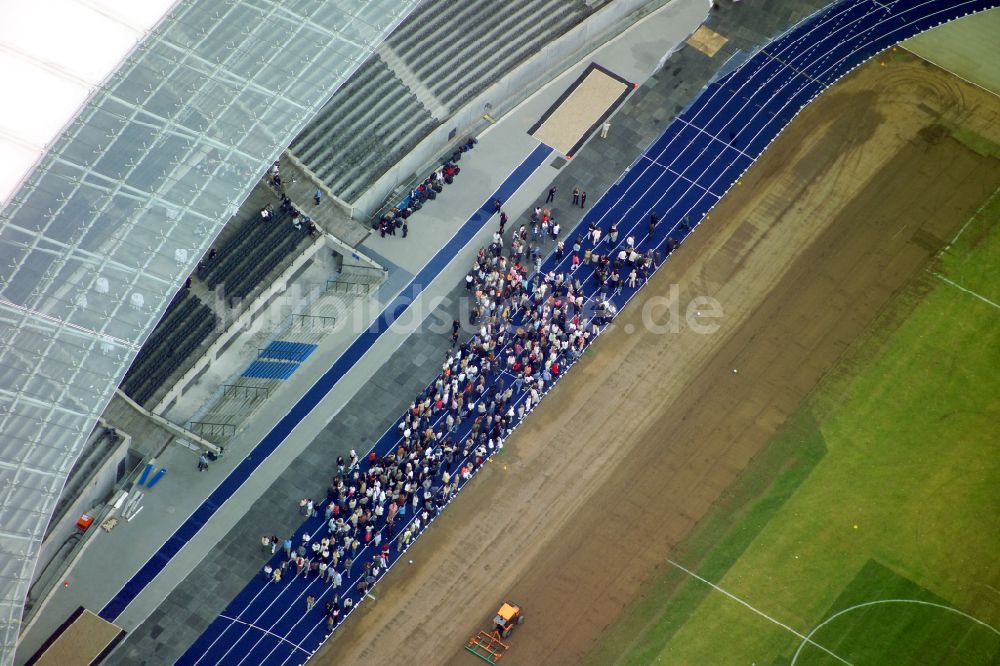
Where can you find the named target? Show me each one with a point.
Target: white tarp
(53, 54)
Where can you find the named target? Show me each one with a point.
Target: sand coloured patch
(81, 643)
(707, 41)
(575, 116)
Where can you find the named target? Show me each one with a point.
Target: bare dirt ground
(633, 447)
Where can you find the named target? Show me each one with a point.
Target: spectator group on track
(526, 328)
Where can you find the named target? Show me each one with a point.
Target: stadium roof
(52, 65)
(135, 173)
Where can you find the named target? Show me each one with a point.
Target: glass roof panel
(124, 203)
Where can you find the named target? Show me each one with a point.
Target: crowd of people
(527, 327)
(397, 219)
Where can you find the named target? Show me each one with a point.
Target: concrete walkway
(216, 563)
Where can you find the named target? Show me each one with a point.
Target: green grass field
(869, 527)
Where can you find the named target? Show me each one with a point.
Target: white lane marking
(254, 626)
(805, 639)
(968, 291)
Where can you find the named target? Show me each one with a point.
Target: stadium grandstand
(235, 248)
(136, 254)
(151, 124)
(442, 56)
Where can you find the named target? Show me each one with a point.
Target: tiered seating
(252, 254)
(510, 38)
(283, 350)
(454, 49)
(270, 370)
(362, 128)
(184, 327)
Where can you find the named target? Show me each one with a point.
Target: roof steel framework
(100, 235)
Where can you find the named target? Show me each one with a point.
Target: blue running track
(681, 176)
(318, 391)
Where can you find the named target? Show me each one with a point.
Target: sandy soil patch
(633, 447)
(580, 111)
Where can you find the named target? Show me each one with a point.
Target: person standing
(576, 196)
(406, 229)
(552, 195)
(310, 602)
(497, 204)
(583, 199)
(202, 462)
(605, 128)
(318, 197)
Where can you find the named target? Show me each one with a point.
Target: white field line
(979, 210)
(950, 71)
(888, 601)
(968, 291)
(254, 626)
(805, 639)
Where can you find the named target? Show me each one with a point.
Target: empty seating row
(343, 110)
(487, 33)
(254, 235)
(284, 350)
(465, 83)
(183, 305)
(215, 259)
(362, 130)
(161, 357)
(354, 178)
(263, 259)
(271, 369)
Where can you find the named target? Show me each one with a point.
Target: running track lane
(318, 391)
(681, 175)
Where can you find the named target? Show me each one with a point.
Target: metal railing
(311, 322)
(246, 392)
(219, 432)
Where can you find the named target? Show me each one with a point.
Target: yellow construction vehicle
(489, 645)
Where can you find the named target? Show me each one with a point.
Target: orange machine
(488, 646)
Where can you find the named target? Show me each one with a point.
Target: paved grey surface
(193, 604)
